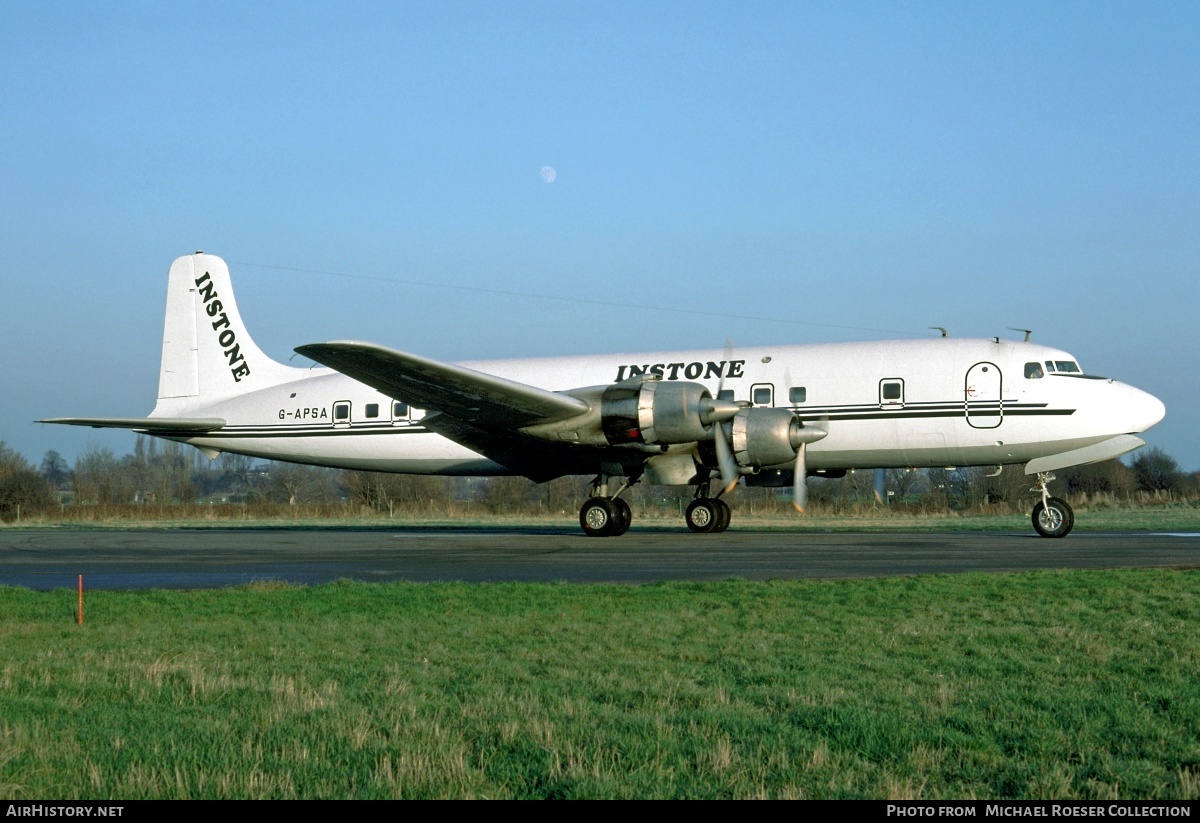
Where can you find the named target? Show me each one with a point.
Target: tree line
(167, 473)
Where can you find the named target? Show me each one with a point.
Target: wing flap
(536, 459)
(466, 394)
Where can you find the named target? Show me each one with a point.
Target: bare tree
(562, 495)
(297, 483)
(1155, 470)
(170, 472)
(21, 488)
(507, 495)
(240, 475)
(1106, 477)
(904, 482)
(99, 478)
(55, 469)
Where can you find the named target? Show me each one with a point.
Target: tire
(598, 517)
(1055, 520)
(702, 515)
(624, 516)
(724, 515)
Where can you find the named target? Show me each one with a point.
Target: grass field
(1049, 684)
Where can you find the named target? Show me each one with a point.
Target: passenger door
(982, 396)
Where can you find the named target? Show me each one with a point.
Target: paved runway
(202, 558)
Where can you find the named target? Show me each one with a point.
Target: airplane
(773, 415)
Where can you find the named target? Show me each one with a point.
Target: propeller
(809, 434)
(800, 480)
(717, 412)
(728, 466)
(802, 435)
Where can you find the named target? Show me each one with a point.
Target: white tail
(206, 348)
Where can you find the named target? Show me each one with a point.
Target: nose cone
(1143, 409)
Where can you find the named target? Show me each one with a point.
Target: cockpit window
(1033, 371)
(1063, 367)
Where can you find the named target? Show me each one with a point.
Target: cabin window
(341, 412)
(761, 395)
(372, 409)
(797, 394)
(399, 410)
(891, 392)
(725, 394)
(1033, 371)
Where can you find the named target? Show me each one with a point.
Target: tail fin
(206, 348)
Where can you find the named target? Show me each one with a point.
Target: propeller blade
(729, 469)
(800, 480)
(717, 411)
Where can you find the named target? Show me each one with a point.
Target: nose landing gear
(1052, 516)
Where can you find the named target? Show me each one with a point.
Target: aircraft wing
(468, 395)
(150, 425)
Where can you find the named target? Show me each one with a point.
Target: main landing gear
(604, 515)
(707, 514)
(1052, 517)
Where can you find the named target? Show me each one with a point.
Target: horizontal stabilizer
(1105, 450)
(149, 425)
(454, 390)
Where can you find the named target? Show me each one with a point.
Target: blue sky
(851, 170)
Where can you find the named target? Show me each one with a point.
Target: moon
(547, 174)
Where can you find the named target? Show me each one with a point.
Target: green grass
(1049, 684)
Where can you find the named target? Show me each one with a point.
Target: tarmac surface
(214, 558)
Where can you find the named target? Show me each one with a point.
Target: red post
(79, 614)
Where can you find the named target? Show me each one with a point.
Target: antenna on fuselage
(942, 329)
(1028, 332)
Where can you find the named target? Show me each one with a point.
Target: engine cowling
(765, 437)
(655, 412)
(645, 412)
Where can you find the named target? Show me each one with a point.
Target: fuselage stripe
(808, 414)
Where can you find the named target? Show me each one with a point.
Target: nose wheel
(1052, 516)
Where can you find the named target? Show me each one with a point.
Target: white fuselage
(939, 402)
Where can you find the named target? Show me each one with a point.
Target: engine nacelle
(646, 412)
(763, 437)
(769, 437)
(654, 412)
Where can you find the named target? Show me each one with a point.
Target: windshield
(1063, 367)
